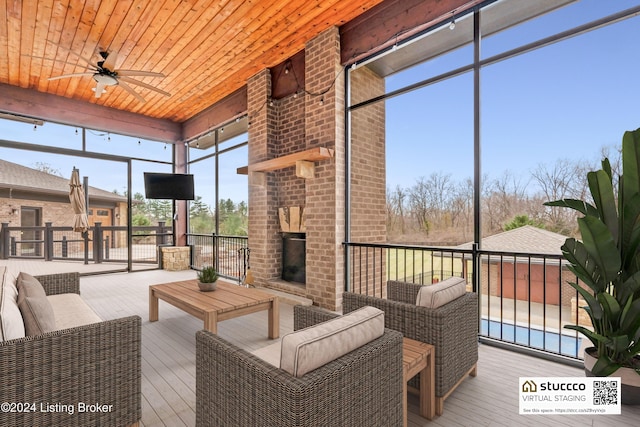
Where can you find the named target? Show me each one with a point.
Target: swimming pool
(531, 337)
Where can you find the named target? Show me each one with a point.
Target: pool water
(531, 337)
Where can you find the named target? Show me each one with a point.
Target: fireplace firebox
(294, 257)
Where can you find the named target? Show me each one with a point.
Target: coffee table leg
(274, 319)
(153, 306)
(211, 321)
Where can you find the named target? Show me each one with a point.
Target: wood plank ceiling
(206, 49)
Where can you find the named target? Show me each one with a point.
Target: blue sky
(566, 100)
(563, 101)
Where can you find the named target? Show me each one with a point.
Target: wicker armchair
(92, 364)
(452, 329)
(236, 388)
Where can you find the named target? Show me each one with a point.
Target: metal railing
(225, 253)
(100, 244)
(525, 300)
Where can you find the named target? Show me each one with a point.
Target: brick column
(264, 238)
(324, 124)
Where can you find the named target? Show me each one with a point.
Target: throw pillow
(36, 310)
(11, 323)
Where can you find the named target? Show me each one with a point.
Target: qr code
(605, 392)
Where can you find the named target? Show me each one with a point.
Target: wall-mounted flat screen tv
(175, 186)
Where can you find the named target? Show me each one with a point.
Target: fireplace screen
(293, 257)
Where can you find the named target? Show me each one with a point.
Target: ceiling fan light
(105, 80)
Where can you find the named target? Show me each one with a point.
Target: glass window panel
(50, 134)
(429, 152)
(568, 15)
(126, 146)
(547, 116)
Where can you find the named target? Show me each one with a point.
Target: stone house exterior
(29, 197)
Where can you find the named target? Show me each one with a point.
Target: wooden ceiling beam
(393, 21)
(217, 115)
(288, 76)
(30, 103)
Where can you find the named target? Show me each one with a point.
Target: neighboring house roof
(18, 177)
(528, 239)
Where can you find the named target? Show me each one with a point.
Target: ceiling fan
(105, 75)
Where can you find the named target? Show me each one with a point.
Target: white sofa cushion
(71, 311)
(439, 294)
(11, 323)
(36, 310)
(310, 348)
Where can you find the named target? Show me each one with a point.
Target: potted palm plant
(607, 262)
(207, 278)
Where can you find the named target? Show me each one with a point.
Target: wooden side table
(419, 358)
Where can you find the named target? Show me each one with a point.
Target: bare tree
(430, 199)
(420, 204)
(395, 209)
(562, 180)
(47, 168)
(462, 208)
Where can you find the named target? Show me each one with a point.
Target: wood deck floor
(168, 362)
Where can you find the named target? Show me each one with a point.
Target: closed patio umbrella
(77, 198)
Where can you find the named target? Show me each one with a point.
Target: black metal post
(4, 241)
(97, 242)
(65, 247)
(48, 241)
(477, 165)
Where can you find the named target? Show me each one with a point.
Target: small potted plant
(207, 278)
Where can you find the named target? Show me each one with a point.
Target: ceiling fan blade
(110, 61)
(64, 76)
(129, 89)
(136, 82)
(99, 89)
(58, 60)
(74, 54)
(138, 73)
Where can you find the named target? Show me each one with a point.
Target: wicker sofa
(88, 375)
(236, 388)
(452, 329)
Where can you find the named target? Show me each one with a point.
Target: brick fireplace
(297, 160)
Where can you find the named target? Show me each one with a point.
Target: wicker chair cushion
(71, 311)
(310, 348)
(36, 310)
(11, 323)
(270, 354)
(434, 296)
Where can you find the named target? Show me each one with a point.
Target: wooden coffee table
(226, 302)
(419, 358)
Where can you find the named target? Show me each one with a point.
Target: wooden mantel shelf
(295, 159)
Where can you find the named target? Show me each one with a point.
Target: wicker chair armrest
(309, 315)
(236, 388)
(60, 283)
(396, 314)
(402, 291)
(96, 363)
